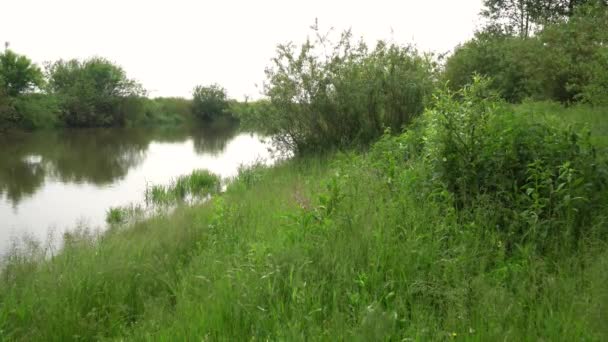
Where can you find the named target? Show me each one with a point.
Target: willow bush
(328, 94)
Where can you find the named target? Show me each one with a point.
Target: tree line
(91, 93)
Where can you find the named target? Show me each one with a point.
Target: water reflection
(18, 176)
(214, 138)
(92, 156)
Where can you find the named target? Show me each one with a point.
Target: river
(54, 181)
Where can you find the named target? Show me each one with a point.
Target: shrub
(37, 111)
(539, 180)
(329, 95)
(94, 92)
(209, 103)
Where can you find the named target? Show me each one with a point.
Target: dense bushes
(328, 95)
(92, 92)
(210, 102)
(541, 182)
(88, 93)
(566, 61)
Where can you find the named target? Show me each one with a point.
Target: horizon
(170, 47)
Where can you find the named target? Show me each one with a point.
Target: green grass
(316, 248)
(593, 118)
(198, 184)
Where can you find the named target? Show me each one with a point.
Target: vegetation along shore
(424, 198)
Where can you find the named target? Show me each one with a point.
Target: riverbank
(364, 245)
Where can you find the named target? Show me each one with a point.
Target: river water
(54, 181)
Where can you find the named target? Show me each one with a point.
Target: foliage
(522, 17)
(565, 61)
(342, 94)
(539, 176)
(18, 74)
(37, 111)
(94, 92)
(89, 93)
(19, 105)
(513, 64)
(578, 54)
(209, 102)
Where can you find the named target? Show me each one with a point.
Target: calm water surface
(55, 181)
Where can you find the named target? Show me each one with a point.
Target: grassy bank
(368, 246)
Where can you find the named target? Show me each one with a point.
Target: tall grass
(199, 183)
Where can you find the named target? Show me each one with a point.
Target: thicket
(328, 94)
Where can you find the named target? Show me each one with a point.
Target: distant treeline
(92, 93)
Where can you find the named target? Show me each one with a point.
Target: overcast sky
(172, 45)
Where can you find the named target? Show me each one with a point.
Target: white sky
(172, 45)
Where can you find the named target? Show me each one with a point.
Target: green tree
(523, 17)
(209, 102)
(18, 73)
(94, 92)
(515, 65)
(566, 61)
(577, 54)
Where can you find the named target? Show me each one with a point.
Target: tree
(523, 17)
(18, 73)
(92, 92)
(578, 52)
(209, 102)
(565, 61)
(513, 64)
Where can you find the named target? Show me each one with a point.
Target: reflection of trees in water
(19, 178)
(97, 156)
(214, 137)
